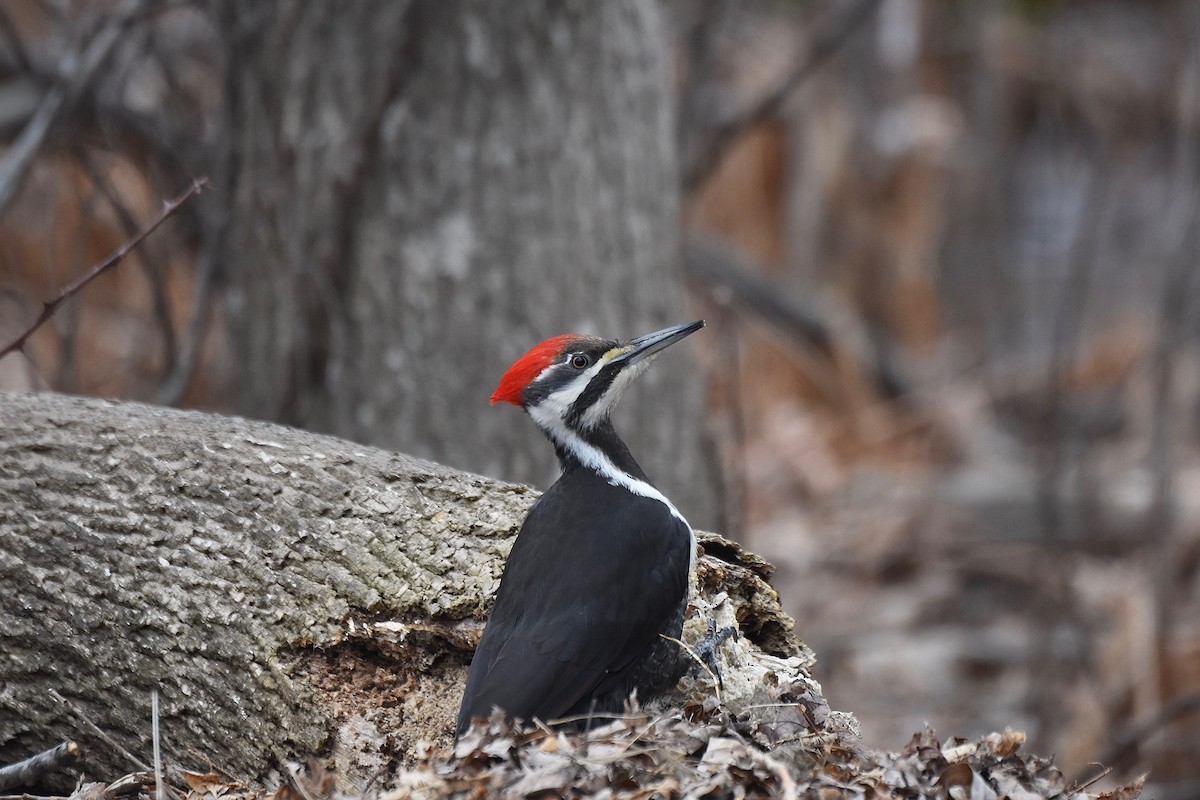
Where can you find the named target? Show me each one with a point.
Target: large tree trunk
(287, 593)
(425, 190)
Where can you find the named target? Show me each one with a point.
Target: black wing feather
(587, 590)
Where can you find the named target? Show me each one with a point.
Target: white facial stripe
(604, 404)
(595, 459)
(570, 393)
(561, 401)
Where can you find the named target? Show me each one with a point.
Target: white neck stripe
(594, 458)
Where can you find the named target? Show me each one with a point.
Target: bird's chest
(587, 532)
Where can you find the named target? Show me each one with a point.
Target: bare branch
(77, 71)
(34, 768)
(49, 307)
(824, 45)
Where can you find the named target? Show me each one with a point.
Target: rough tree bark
(287, 593)
(425, 190)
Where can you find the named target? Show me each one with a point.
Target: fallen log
(288, 594)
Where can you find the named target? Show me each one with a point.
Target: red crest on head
(528, 367)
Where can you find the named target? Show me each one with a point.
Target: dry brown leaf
(206, 784)
(723, 750)
(1130, 791)
(1005, 744)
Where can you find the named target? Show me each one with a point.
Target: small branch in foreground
(716, 679)
(34, 768)
(160, 789)
(49, 307)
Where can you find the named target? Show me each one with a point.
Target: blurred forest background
(946, 250)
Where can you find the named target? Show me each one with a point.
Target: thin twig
(608, 718)
(77, 71)
(824, 45)
(34, 768)
(159, 784)
(627, 749)
(1076, 786)
(49, 307)
(94, 728)
(716, 680)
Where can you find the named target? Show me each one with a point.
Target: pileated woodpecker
(598, 574)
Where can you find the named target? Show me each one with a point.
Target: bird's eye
(580, 361)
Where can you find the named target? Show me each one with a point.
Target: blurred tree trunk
(425, 190)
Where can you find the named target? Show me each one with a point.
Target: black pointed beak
(645, 346)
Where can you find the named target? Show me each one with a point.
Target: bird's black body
(575, 628)
(596, 578)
